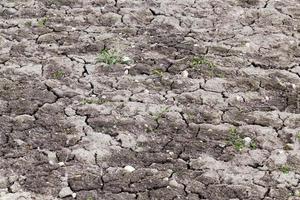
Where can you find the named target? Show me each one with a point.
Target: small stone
(70, 112)
(166, 179)
(126, 72)
(74, 195)
(19, 142)
(65, 192)
(129, 168)
(185, 74)
(52, 157)
(222, 145)
(267, 98)
(247, 141)
(61, 164)
(126, 59)
(174, 183)
(127, 67)
(22, 178)
(15, 187)
(239, 98)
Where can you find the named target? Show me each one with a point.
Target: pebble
(185, 74)
(65, 192)
(15, 187)
(166, 179)
(239, 98)
(74, 195)
(174, 183)
(247, 141)
(267, 98)
(129, 168)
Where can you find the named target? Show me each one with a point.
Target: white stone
(166, 179)
(74, 195)
(65, 192)
(239, 98)
(247, 141)
(185, 74)
(15, 187)
(174, 183)
(267, 98)
(129, 168)
(126, 59)
(52, 157)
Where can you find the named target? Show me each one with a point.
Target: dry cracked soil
(149, 99)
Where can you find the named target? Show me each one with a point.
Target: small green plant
(28, 23)
(285, 169)
(42, 22)
(219, 75)
(90, 198)
(253, 145)
(197, 61)
(159, 114)
(235, 139)
(58, 74)
(109, 57)
(92, 101)
(157, 72)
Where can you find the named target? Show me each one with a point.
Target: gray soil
(207, 105)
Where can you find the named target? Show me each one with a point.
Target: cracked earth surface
(207, 108)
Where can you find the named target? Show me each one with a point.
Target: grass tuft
(285, 169)
(109, 57)
(235, 139)
(197, 61)
(59, 74)
(42, 22)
